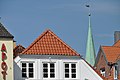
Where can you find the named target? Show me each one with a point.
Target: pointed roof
(90, 50)
(17, 50)
(49, 44)
(4, 33)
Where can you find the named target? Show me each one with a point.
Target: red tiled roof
(17, 50)
(49, 44)
(117, 44)
(112, 53)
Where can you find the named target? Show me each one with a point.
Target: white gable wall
(87, 72)
(83, 71)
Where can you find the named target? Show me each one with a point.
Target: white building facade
(49, 58)
(47, 67)
(6, 54)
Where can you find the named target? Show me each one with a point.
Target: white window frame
(70, 70)
(48, 63)
(102, 72)
(115, 72)
(27, 69)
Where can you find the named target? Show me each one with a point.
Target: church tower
(90, 50)
(6, 54)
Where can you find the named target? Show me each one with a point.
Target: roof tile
(112, 53)
(49, 44)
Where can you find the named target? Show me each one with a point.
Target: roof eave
(7, 37)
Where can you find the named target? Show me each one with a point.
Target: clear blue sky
(68, 19)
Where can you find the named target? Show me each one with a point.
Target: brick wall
(103, 64)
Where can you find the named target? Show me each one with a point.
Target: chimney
(14, 44)
(116, 36)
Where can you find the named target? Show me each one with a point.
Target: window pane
(66, 65)
(66, 70)
(52, 75)
(30, 75)
(66, 75)
(73, 70)
(45, 65)
(52, 70)
(103, 70)
(51, 64)
(45, 75)
(45, 70)
(23, 69)
(24, 75)
(23, 64)
(30, 64)
(73, 65)
(30, 69)
(73, 75)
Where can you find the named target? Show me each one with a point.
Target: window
(24, 70)
(27, 70)
(45, 70)
(115, 72)
(70, 70)
(102, 70)
(48, 70)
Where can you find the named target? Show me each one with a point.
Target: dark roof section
(17, 50)
(4, 33)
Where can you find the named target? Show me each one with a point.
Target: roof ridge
(111, 46)
(35, 41)
(18, 46)
(64, 42)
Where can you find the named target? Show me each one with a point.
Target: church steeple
(90, 50)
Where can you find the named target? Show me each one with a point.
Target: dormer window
(102, 71)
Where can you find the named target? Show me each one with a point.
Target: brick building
(108, 61)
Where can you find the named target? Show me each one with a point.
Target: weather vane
(88, 6)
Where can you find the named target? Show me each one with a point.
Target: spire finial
(89, 14)
(88, 6)
(90, 50)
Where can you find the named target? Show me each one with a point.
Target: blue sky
(68, 19)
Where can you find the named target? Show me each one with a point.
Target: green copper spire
(90, 50)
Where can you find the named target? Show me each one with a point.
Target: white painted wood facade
(83, 70)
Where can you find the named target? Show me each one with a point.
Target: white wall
(83, 70)
(87, 72)
(9, 61)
